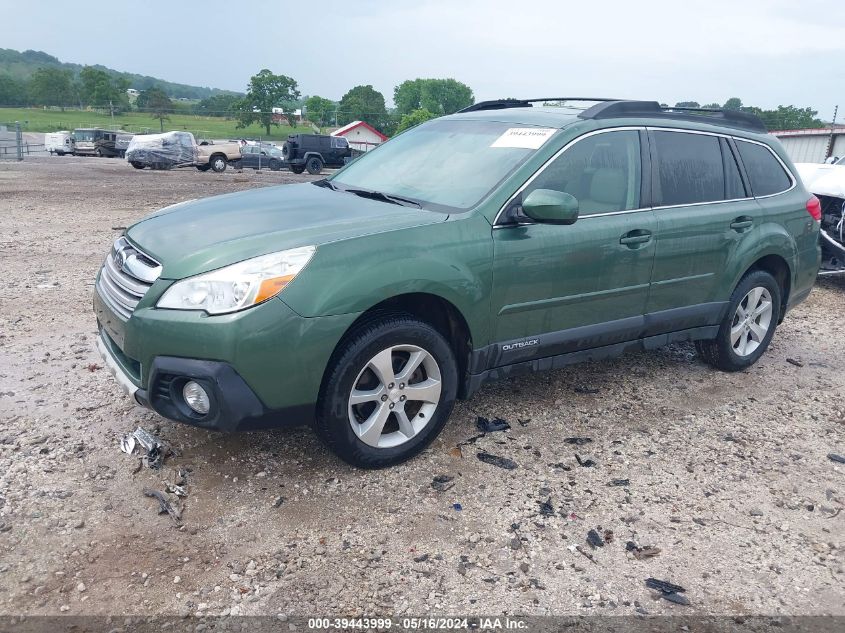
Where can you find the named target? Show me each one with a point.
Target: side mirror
(550, 206)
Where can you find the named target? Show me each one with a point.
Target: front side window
(689, 167)
(602, 171)
(765, 172)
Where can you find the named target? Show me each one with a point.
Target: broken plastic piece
(578, 441)
(594, 539)
(620, 482)
(442, 483)
(586, 463)
(127, 444)
(495, 460)
(546, 508)
(642, 553)
(164, 505)
(663, 586)
(836, 458)
(491, 426)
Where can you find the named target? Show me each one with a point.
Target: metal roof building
(812, 146)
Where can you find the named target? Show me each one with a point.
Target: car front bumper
(261, 367)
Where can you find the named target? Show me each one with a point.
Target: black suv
(312, 151)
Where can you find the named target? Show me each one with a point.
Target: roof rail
(727, 118)
(501, 104)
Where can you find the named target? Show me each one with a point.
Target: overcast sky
(767, 52)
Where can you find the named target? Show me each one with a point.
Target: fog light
(196, 397)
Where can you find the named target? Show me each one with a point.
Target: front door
(558, 289)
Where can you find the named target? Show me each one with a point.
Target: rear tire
(137, 165)
(395, 433)
(748, 325)
(297, 169)
(314, 166)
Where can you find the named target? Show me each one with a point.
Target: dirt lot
(729, 474)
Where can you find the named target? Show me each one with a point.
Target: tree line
(781, 118)
(415, 101)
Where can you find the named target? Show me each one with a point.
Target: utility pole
(111, 107)
(832, 139)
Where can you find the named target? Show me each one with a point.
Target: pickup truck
(216, 155)
(180, 149)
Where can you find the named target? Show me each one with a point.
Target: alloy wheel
(751, 322)
(394, 396)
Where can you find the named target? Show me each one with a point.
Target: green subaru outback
(508, 238)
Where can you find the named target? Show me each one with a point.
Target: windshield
(84, 135)
(444, 164)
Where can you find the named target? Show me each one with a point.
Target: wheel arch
(435, 310)
(778, 267)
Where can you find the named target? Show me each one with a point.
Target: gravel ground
(727, 475)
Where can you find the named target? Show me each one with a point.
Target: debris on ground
(836, 458)
(578, 441)
(608, 536)
(421, 559)
(92, 367)
(491, 426)
(156, 450)
(495, 460)
(442, 483)
(620, 482)
(594, 539)
(586, 463)
(457, 507)
(589, 390)
(546, 508)
(667, 590)
(580, 550)
(792, 361)
(456, 452)
(164, 505)
(175, 489)
(642, 553)
(278, 501)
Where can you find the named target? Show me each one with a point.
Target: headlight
(237, 286)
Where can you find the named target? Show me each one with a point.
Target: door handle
(741, 223)
(633, 239)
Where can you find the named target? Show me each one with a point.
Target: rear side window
(689, 167)
(602, 171)
(764, 170)
(734, 188)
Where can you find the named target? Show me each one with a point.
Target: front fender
(450, 259)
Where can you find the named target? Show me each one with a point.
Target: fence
(11, 141)
(17, 145)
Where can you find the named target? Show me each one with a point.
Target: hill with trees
(17, 70)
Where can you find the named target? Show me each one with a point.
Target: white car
(827, 183)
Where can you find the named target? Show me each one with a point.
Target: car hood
(823, 180)
(196, 236)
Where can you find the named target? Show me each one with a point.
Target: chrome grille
(125, 277)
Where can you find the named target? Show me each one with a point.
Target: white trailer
(60, 143)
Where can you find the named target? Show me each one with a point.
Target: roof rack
(501, 104)
(727, 118)
(616, 108)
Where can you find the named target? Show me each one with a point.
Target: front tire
(297, 169)
(388, 391)
(748, 326)
(136, 164)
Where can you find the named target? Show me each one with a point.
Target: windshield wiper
(325, 182)
(384, 197)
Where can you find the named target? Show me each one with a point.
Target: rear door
(558, 289)
(703, 212)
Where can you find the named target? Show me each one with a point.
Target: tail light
(814, 208)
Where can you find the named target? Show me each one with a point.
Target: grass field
(38, 120)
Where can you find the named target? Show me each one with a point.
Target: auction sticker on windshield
(524, 137)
